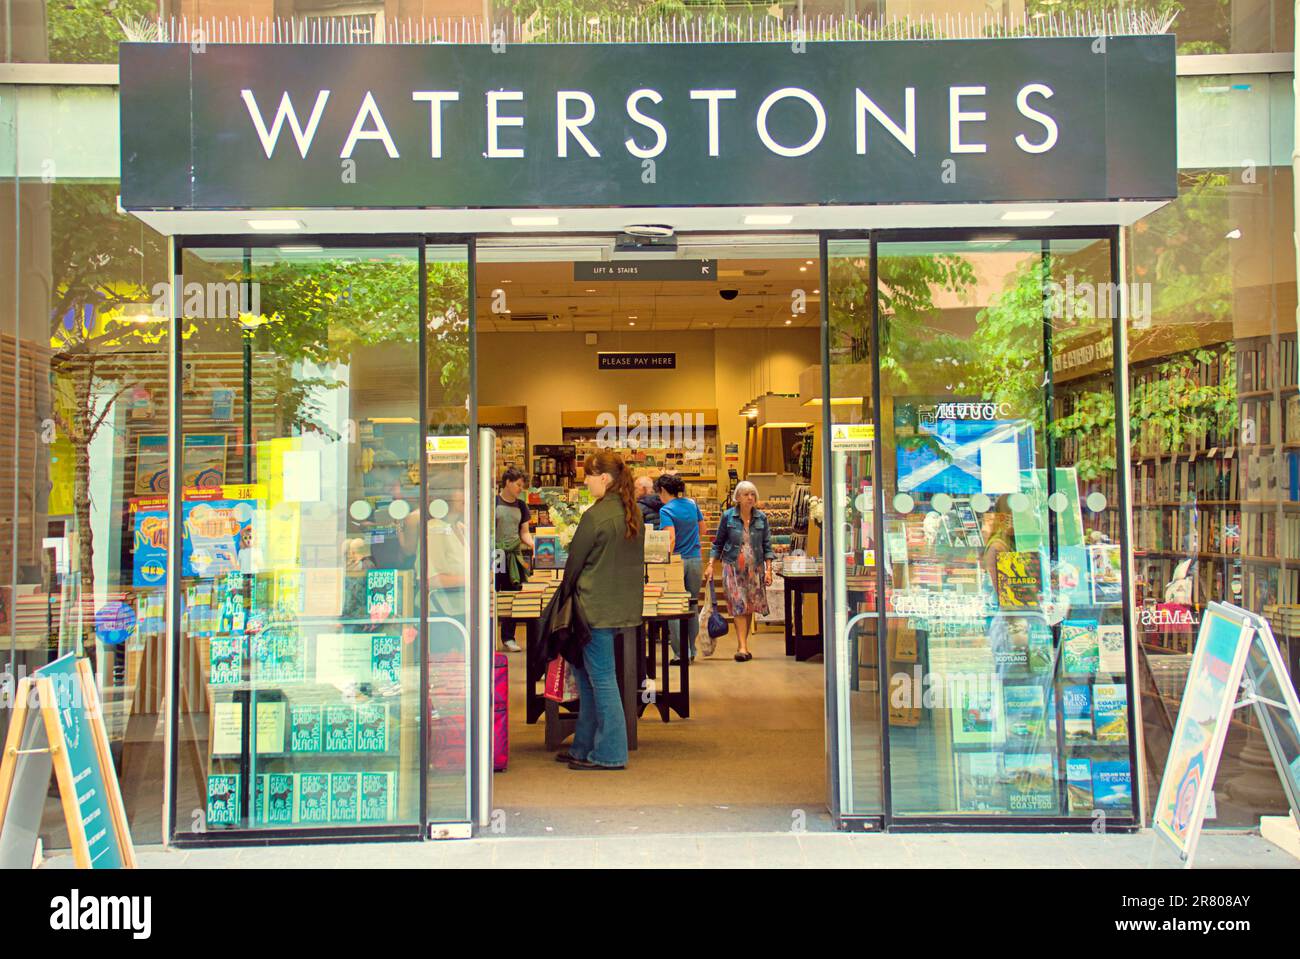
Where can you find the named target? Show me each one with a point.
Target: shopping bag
(706, 642)
(716, 626)
(500, 712)
(561, 683)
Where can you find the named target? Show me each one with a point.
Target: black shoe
(584, 765)
(674, 662)
(564, 756)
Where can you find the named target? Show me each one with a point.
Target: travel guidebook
(976, 711)
(1110, 712)
(1078, 784)
(1023, 707)
(1031, 783)
(1020, 579)
(1112, 786)
(1110, 649)
(1079, 652)
(1107, 585)
(1076, 704)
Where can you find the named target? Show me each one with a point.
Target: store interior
(744, 336)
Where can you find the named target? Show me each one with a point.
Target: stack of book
(670, 575)
(650, 599)
(526, 604)
(674, 603)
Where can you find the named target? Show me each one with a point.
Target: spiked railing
(720, 29)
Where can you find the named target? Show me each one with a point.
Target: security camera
(728, 294)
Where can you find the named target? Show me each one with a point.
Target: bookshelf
(1216, 508)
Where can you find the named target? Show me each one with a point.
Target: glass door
(321, 537)
(1002, 546)
(848, 520)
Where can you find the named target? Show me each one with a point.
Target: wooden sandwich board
(1236, 653)
(58, 726)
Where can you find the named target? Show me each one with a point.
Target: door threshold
(657, 820)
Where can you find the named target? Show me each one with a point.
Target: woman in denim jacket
(744, 544)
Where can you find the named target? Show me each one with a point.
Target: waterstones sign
(539, 125)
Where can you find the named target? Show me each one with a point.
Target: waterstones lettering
(572, 111)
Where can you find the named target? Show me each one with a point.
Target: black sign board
(636, 361)
(247, 126)
(706, 270)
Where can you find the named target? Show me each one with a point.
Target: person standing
(512, 536)
(649, 501)
(605, 569)
(744, 544)
(681, 515)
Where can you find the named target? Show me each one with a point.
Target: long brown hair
(607, 461)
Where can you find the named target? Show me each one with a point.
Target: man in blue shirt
(680, 514)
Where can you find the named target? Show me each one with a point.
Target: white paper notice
(301, 476)
(999, 468)
(343, 658)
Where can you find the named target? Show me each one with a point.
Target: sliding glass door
(981, 498)
(321, 538)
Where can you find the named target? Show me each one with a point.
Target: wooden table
(655, 630)
(534, 702)
(798, 644)
(628, 659)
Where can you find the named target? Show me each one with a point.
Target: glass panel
(1002, 540)
(85, 373)
(447, 334)
(300, 596)
(852, 530)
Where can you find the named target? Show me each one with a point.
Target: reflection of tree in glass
(88, 31)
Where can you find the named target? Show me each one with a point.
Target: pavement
(731, 850)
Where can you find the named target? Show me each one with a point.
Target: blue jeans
(601, 733)
(693, 570)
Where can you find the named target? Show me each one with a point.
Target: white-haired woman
(744, 544)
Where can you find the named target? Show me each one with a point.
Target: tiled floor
(741, 850)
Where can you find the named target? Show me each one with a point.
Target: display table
(655, 630)
(628, 657)
(798, 644)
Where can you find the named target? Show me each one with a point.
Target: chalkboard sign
(1235, 652)
(57, 724)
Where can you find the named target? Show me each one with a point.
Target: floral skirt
(746, 593)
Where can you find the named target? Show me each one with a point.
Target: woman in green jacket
(605, 566)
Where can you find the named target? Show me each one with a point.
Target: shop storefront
(326, 208)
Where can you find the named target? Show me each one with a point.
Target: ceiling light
(631, 322)
(1028, 214)
(808, 262)
(1232, 235)
(768, 219)
(788, 322)
(535, 221)
(275, 225)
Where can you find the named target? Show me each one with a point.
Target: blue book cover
(340, 729)
(979, 783)
(279, 798)
(1112, 786)
(1110, 712)
(225, 661)
(1031, 784)
(223, 800)
(313, 797)
(372, 727)
(1023, 707)
(376, 797)
(1076, 704)
(385, 658)
(1078, 784)
(305, 729)
(343, 797)
(1040, 645)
